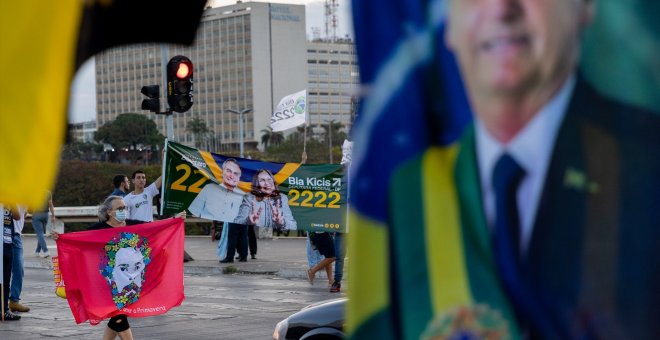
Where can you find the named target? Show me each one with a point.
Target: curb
(201, 270)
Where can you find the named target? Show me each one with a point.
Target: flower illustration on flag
(123, 264)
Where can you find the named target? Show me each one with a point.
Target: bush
(82, 183)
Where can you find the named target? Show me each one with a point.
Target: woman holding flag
(112, 214)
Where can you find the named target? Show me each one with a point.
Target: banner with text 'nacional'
(134, 270)
(290, 112)
(282, 196)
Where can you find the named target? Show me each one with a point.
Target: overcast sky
(83, 91)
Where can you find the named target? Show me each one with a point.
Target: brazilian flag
(421, 263)
(43, 44)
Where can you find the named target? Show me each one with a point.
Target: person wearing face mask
(112, 213)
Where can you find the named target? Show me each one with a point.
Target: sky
(82, 103)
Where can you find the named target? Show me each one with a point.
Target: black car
(322, 320)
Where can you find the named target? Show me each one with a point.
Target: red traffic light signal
(183, 71)
(180, 83)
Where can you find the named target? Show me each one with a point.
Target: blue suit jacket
(593, 261)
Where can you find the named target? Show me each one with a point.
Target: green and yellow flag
(420, 249)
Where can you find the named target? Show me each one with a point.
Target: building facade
(83, 132)
(246, 57)
(332, 83)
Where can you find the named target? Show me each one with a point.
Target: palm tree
(331, 133)
(197, 127)
(270, 137)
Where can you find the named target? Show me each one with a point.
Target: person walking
(39, 221)
(340, 252)
(17, 271)
(112, 213)
(322, 241)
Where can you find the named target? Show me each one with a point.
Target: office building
(246, 56)
(332, 83)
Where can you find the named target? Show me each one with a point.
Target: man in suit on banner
(566, 210)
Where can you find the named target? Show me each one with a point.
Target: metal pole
(240, 114)
(169, 121)
(330, 137)
(240, 129)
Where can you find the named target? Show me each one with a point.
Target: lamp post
(240, 114)
(330, 123)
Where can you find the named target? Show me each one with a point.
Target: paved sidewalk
(284, 257)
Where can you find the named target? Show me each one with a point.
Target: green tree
(81, 151)
(270, 137)
(130, 131)
(197, 127)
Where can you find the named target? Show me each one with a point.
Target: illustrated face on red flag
(123, 265)
(133, 270)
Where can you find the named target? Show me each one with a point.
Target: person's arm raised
(158, 182)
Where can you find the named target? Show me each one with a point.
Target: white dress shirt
(531, 148)
(217, 202)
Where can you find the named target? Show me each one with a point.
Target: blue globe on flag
(299, 107)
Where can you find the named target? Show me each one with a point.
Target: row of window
(331, 62)
(351, 52)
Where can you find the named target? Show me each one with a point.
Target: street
(216, 307)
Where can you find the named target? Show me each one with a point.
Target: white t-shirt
(18, 224)
(140, 205)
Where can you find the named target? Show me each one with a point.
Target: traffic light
(153, 102)
(180, 84)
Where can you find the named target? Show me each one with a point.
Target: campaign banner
(282, 196)
(134, 270)
(290, 112)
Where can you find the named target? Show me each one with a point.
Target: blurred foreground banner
(282, 196)
(425, 261)
(43, 44)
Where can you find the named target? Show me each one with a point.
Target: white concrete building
(247, 55)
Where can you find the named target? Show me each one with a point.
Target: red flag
(134, 270)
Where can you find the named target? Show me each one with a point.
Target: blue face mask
(120, 215)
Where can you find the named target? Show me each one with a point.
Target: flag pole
(304, 153)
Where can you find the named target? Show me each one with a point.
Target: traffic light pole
(169, 121)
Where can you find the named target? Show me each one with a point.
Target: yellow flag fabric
(37, 57)
(42, 43)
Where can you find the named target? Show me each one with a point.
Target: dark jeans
(237, 240)
(7, 259)
(252, 240)
(340, 252)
